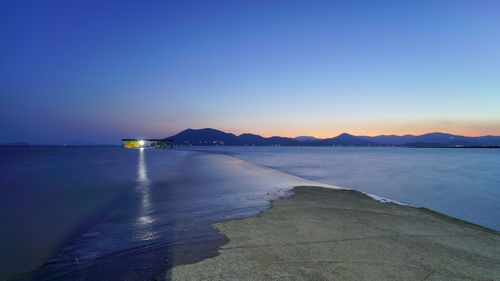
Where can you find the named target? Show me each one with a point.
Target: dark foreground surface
(328, 234)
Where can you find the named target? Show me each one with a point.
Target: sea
(107, 213)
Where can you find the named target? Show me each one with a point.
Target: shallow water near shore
(107, 213)
(149, 210)
(462, 183)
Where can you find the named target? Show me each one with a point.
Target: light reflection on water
(165, 217)
(170, 198)
(143, 187)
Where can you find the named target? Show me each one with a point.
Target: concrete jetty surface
(328, 234)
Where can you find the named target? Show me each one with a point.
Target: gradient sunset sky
(103, 70)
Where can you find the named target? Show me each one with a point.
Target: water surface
(114, 214)
(463, 183)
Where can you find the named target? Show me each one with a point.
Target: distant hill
(438, 140)
(205, 137)
(209, 136)
(389, 139)
(306, 138)
(347, 139)
(251, 139)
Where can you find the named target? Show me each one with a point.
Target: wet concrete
(328, 234)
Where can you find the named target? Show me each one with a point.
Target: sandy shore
(327, 234)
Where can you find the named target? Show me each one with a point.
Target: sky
(104, 70)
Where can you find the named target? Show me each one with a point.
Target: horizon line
(378, 135)
(61, 143)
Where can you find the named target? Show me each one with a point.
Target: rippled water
(114, 214)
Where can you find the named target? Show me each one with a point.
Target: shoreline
(341, 234)
(219, 169)
(199, 189)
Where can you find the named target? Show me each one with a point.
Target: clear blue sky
(103, 70)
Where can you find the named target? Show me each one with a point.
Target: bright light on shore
(141, 143)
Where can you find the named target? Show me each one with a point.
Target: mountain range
(210, 136)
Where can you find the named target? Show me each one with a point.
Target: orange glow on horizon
(469, 130)
(331, 134)
(292, 129)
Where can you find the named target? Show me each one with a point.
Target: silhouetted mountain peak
(437, 134)
(343, 135)
(204, 131)
(306, 138)
(208, 136)
(348, 139)
(250, 135)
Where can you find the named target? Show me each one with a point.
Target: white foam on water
(385, 200)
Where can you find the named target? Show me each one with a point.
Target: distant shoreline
(116, 145)
(214, 137)
(496, 146)
(59, 145)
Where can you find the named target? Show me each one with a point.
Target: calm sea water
(113, 214)
(463, 183)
